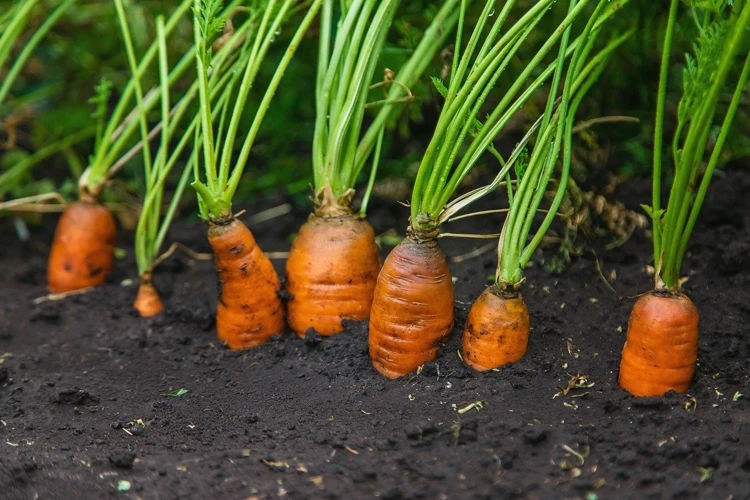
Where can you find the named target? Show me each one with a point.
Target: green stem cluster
(553, 137)
(123, 122)
(476, 69)
(673, 227)
(222, 169)
(154, 222)
(346, 67)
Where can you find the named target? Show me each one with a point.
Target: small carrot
(412, 310)
(82, 252)
(249, 310)
(147, 302)
(331, 273)
(497, 330)
(661, 347)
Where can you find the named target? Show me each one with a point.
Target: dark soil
(85, 385)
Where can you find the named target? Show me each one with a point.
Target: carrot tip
(147, 302)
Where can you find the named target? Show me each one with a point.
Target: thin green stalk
(105, 155)
(714, 158)
(19, 18)
(659, 132)
(265, 103)
(373, 175)
(680, 197)
(132, 61)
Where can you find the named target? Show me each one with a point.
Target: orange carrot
(147, 302)
(82, 252)
(661, 347)
(497, 330)
(412, 310)
(331, 273)
(249, 310)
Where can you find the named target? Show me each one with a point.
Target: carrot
(82, 252)
(497, 330)
(661, 347)
(147, 302)
(331, 272)
(249, 310)
(412, 310)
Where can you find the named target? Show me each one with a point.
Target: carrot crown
(222, 169)
(460, 138)
(721, 41)
(346, 65)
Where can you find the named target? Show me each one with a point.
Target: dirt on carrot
(412, 309)
(331, 273)
(82, 252)
(661, 348)
(497, 330)
(249, 311)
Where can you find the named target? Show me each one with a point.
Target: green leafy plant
(661, 349)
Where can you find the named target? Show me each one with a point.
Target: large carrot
(412, 311)
(661, 349)
(82, 252)
(249, 310)
(661, 346)
(331, 273)
(496, 331)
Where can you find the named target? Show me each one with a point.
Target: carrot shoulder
(496, 331)
(83, 249)
(412, 309)
(661, 348)
(331, 273)
(249, 310)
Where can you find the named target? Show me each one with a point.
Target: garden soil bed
(84, 383)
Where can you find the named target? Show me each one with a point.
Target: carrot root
(331, 273)
(249, 311)
(412, 310)
(83, 249)
(496, 331)
(147, 302)
(661, 348)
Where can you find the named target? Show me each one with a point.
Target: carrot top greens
(222, 168)
(554, 136)
(722, 41)
(460, 138)
(347, 63)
